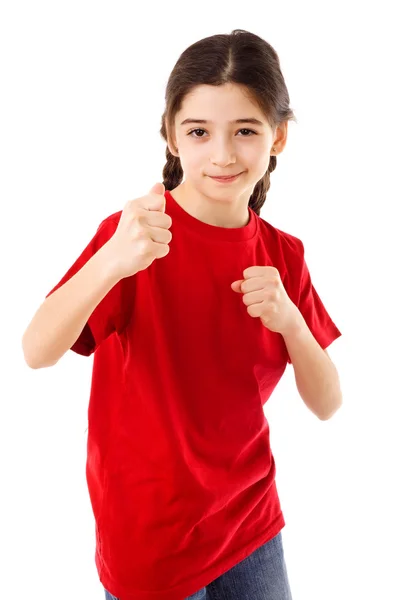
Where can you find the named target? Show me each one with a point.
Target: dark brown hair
(240, 57)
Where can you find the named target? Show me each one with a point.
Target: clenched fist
(142, 234)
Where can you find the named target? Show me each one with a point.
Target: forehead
(223, 103)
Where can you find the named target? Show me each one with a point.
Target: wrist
(108, 264)
(297, 326)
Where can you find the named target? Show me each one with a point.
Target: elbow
(31, 362)
(29, 356)
(329, 414)
(36, 365)
(32, 359)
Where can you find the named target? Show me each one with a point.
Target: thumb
(159, 189)
(236, 286)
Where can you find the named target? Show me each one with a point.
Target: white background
(81, 103)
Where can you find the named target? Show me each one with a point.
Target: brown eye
(250, 130)
(193, 130)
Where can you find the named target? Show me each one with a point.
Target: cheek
(257, 153)
(194, 160)
(259, 160)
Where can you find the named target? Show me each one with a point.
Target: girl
(189, 347)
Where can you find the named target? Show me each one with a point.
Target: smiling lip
(225, 177)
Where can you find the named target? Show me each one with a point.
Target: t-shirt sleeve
(311, 307)
(112, 313)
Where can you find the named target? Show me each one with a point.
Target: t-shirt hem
(204, 578)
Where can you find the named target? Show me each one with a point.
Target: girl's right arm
(142, 235)
(59, 321)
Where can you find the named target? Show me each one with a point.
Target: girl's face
(220, 145)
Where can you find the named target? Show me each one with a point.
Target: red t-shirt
(179, 469)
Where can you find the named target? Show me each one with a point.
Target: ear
(172, 149)
(280, 137)
(171, 141)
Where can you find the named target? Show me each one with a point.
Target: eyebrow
(248, 120)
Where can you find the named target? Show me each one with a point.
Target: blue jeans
(260, 576)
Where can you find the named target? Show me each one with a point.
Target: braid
(261, 188)
(172, 171)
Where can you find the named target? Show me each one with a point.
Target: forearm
(60, 319)
(316, 376)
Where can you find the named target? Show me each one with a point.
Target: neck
(220, 212)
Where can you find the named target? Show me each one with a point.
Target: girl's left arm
(316, 376)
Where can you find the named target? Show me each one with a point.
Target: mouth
(226, 178)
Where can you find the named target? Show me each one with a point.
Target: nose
(222, 154)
